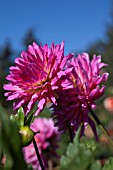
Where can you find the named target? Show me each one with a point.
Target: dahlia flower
(75, 104)
(46, 141)
(37, 75)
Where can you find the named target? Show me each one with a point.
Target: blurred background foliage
(82, 154)
(102, 47)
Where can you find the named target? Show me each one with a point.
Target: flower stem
(38, 155)
(101, 126)
(70, 131)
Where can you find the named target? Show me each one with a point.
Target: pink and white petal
(41, 105)
(37, 48)
(20, 102)
(11, 87)
(65, 59)
(14, 96)
(60, 74)
(32, 102)
(51, 96)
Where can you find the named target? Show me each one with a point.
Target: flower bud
(27, 135)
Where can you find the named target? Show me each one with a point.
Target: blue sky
(77, 22)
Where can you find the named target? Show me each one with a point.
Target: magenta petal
(66, 59)
(47, 138)
(81, 87)
(31, 103)
(92, 124)
(52, 98)
(18, 104)
(36, 47)
(11, 87)
(60, 74)
(10, 78)
(13, 96)
(105, 76)
(54, 87)
(41, 105)
(38, 74)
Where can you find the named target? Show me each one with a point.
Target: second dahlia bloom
(46, 140)
(75, 104)
(37, 75)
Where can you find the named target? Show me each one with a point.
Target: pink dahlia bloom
(38, 74)
(75, 103)
(46, 141)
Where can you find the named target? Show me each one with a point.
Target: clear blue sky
(77, 22)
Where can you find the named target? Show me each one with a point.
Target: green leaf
(10, 142)
(46, 113)
(29, 118)
(79, 157)
(20, 116)
(1, 146)
(21, 119)
(14, 118)
(108, 165)
(95, 166)
(77, 136)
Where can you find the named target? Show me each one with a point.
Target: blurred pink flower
(75, 103)
(108, 104)
(37, 75)
(47, 142)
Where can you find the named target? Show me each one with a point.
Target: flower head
(75, 103)
(37, 75)
(46, 141)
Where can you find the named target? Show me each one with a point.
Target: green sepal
(27, 135)
(13, 118)
(29, 118)
(20, 116)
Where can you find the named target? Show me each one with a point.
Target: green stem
(101, 126)
(38, 155)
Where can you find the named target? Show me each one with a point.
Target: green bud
(27, 135)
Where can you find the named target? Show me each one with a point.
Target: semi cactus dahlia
(75, 103)
(37, 75)
(46, 141)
